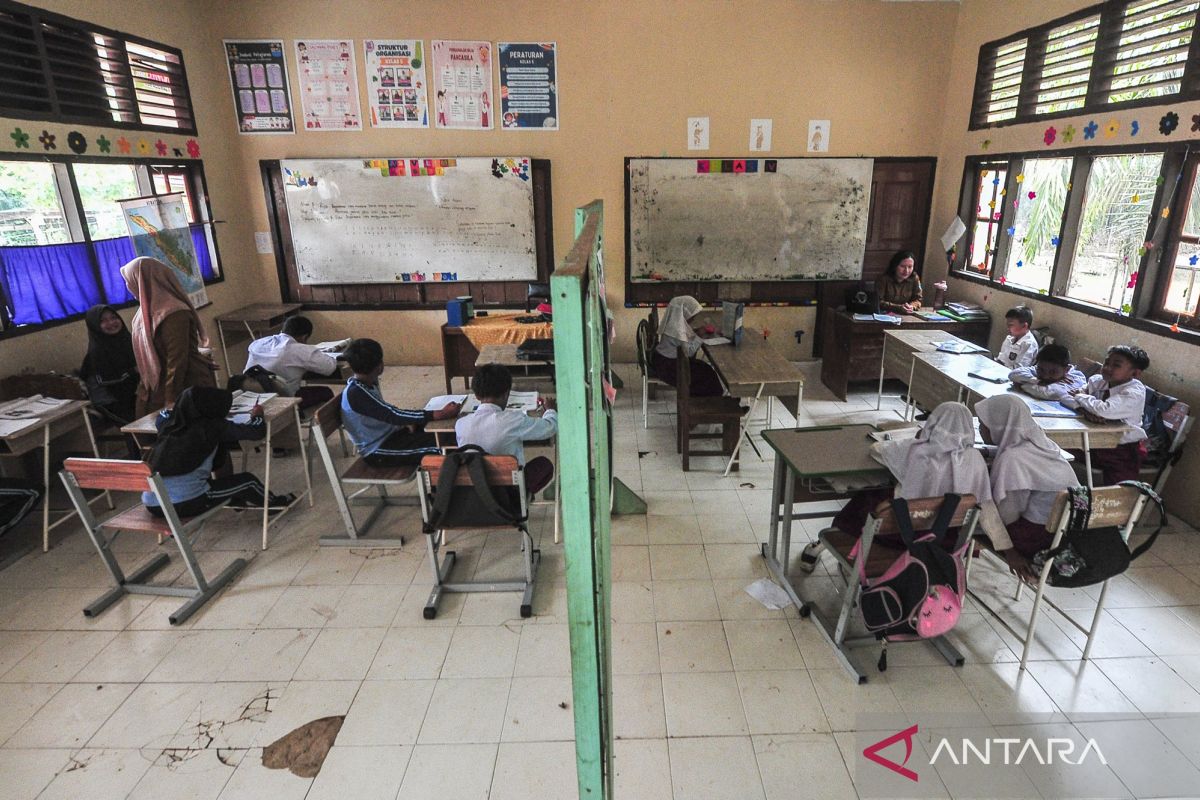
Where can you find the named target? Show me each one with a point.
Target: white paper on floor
(769, 593)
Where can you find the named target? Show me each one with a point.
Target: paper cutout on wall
(77, 142)
(1168, 123)
(20, 138)
(1049, 136)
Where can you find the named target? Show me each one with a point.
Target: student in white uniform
(1019, 348)
(1027, 474)
(1117, 394)
(502, 431)
(1053, 377)
(289, 355)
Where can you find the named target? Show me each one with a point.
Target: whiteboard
(786, 219)
(410, 220)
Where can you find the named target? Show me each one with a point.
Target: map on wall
(785, 219)
(158, 228)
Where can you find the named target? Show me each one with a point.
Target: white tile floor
(714, 695)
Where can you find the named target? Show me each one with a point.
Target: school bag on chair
(477, 505)
(920, 595)
(1088, 556)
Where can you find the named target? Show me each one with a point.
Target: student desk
(852, 349)
(755, 369)
(939, 377)
(279, 414)
(339, 377)
(256, 319)
(899, 347)
(461, 345)
(530, 374)
(805, 461)
(48, 427)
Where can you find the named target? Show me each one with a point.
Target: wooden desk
(459, 354)
(50, 426)
(755, 369)
(279, 414)
(853, 349)
(256, 319)
(899, 347)
(338, 378)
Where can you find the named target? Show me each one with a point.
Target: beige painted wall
(1175, 364)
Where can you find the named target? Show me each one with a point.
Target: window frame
(38, 16)
(76, 224)
(1154, 267)
(1190, 169)
(1112, 17)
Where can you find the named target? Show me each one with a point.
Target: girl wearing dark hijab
(189, 448)
(109, 369)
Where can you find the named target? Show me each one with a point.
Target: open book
(30, 407)
(244, 402)
(333, 348)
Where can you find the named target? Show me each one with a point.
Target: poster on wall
(528, 86)
(462, 83)
(158, 228)
(328, 84)
(396, 93)
(258, 77)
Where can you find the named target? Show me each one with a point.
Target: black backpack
(478, 505)
(1158, 437)
(1085, 557)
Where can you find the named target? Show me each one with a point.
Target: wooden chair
(693, 411)
(645, 343)
(361, 477)
(1111, 505)
(502, 472)
(873, 559)
(1088, 366)
(135, 476)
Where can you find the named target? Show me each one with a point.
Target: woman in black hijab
(109, 369)
(190, 446)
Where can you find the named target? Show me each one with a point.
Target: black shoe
(924, 415)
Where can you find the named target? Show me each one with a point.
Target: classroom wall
(1175, 364)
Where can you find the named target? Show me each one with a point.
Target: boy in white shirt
(501, 431)
(1019, 348)
(1053, 377)
(289, 356)
(1117, 394)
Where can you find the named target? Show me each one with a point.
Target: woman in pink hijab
(167, 336)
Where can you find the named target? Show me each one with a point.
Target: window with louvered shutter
(1149, 58)
(999, 83)
(1067, 66)
(63, 70)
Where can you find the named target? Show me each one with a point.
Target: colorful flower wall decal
(1020, 263)
(193, 148)
(1032, 195)
(1133, 278)
(77, 142)
(1054, 240)
(47, 139)
(1010, 230)
(986, 144)
(20, 138)
(1112, 129)
(143, 146)
(1168, 123)
(1166, 212)
(1195, 123)
(996, 181)
(1126, 309)
(1041, 291)
(1020, 177)
(104, 143)
(1134, 128)
(123, 145)
(1175, 327)
(1050, 135)
(1137, 198)
(1068, 134)
(1002, 280)
(1089, 130)
(161, 147)
(1193, 260)
(178, 151)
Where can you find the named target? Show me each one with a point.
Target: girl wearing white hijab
(675, 332)
(1028, 472)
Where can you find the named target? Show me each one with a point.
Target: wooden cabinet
(458, 355)
(853, 350)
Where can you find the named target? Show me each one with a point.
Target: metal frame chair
(362, 477)
(1111, 505)
(501, 471)
(1178, 420)
(135, 476)
(644, 343)
(872, 561)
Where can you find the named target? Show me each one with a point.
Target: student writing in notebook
(385, 435)
(1019, 348)
(503, 431)
(1117, 394)
(289, 355)
(1052, 377)
(899, 287)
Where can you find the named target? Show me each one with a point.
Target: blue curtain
(112, 254)
(203, 254)
(48, 282)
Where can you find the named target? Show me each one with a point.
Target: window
(1123, 53)
(1181, 279)
(57, 68)
(63, 238)
(985, 231)
(1041, 198)
(1113, 228)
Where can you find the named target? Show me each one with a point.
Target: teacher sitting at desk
(676, 332)
(900, 287)
(167, 336)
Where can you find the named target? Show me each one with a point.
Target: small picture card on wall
(328, 81)
(528, 86)
(462, 82)
(760, 135)
(818, 136)
(697, 133)
(396, 90)
(259, 79)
